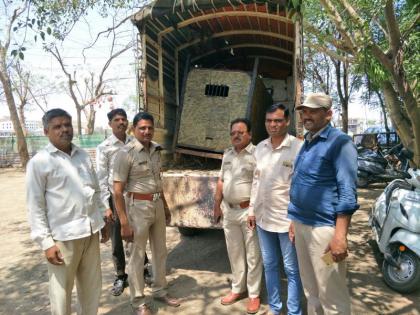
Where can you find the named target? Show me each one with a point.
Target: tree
(383, 37)
(334, 77)
(11, 16)
(30, 90)
(88, 92)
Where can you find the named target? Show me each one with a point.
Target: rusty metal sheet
(190, 197)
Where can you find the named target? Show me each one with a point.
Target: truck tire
(406, 279)
(187, 231)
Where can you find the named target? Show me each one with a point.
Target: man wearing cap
(323, 198)
(233, 192)
(137, 170)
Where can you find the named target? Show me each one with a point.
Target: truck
(202, 64)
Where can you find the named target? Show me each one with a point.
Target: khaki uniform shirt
(236, 174)
(271, 183)
(138, 168)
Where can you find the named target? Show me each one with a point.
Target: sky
(121, 71)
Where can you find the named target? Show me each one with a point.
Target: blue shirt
(324, 179)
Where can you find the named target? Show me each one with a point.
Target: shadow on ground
(369, 293)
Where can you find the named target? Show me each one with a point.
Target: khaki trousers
(82, 263)
(325, 286)
(243, 250)
(147, 219)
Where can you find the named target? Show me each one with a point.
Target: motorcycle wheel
(407, 278)
(362, 182)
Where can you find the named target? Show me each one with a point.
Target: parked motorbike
(376, 166)
(395, 223)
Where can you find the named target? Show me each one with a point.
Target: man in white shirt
(66, 215)
(268, 208)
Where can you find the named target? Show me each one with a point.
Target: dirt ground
(198, 267)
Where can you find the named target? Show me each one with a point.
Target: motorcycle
(374, 166)
(395, 223)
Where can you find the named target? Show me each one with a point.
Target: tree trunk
(343, 93)
(91, 120)
(22, 118)
(21, 141)
(383, 110)
(79, 120)
(403, 126)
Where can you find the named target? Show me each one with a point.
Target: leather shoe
(142, 310)
(231, 298)
(168, 300)
(253, 305)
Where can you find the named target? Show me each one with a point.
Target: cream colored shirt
(63, 196)
(139, 168)
(237, 173)
(105, 157)
(271, 183)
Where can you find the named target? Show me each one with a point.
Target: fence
(8, 147)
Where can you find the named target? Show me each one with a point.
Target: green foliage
(372, 15)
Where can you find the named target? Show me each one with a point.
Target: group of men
(69, 209)
(290, 197)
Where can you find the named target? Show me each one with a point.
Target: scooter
(395, 223)
(373, 166)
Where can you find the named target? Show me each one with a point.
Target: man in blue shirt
(323, 198)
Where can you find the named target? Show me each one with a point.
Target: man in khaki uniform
(137, 169)
(234, 190)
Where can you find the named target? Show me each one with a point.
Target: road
(198, 267)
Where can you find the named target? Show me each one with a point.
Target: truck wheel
(187, 231)
(362, 182)
(407, 278)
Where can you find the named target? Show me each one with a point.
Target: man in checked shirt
(105, 156)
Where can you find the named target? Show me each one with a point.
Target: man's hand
(105, 232)
(251, 222)
(127, 233)
(217, 213)
(109, 216)
(338, 248)
(292, 232)
(54, 256)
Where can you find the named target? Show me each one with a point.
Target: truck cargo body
(202, 64)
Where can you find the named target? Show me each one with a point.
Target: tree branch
(339, 44)
(393, 28)
(70, 81)
(108, 62)
(339, 23)
(330, 53)
(16, 13)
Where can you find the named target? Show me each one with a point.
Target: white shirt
(271, 183)
(63, 196)
(105, 157)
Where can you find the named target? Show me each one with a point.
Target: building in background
(32, 127)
